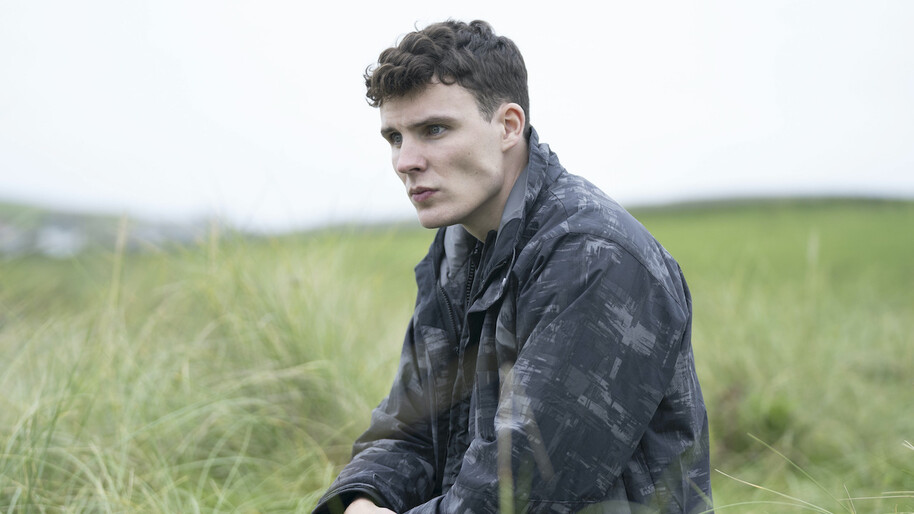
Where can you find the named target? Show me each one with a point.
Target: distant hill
(29, 230)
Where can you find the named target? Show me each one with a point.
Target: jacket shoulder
(572, 206)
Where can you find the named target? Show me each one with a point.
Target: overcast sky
(255, 111)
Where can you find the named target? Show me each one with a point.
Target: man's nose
(409, 158)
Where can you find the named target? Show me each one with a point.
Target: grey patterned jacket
(549, 369)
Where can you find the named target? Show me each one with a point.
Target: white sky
(255, 111)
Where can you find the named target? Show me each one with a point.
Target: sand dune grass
(233, 375)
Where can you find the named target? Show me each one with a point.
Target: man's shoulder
(573, 205)
(571, 208)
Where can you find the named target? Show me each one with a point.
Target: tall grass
(204, 380)
(804, 337)
(234, 375)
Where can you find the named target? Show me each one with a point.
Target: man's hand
(365, 506)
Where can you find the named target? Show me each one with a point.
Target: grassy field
(233, 375)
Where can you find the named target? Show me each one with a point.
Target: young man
(548, 364)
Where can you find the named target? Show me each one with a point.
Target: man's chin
(431, 225)
(433, 222)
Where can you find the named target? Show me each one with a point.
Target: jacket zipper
(451, 316)
(471, 275)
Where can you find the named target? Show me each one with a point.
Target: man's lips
(421, 194)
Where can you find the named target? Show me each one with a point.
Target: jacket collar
(523, 195)
(457, 243)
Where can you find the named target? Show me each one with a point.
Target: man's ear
(513, 119)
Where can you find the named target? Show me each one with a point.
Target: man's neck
(515, 162)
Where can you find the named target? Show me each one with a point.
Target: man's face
(449, 157)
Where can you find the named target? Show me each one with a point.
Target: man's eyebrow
(438, 119)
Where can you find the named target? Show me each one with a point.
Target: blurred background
(233, 372)
(253, 113)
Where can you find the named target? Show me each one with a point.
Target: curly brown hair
(469, 54)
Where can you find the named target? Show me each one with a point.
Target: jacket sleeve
(392, 462)
(598, 338)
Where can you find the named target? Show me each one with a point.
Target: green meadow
(233, 374)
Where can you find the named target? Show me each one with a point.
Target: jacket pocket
(484, 404)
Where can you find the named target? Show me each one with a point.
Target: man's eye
(396, 139)
(435, 130)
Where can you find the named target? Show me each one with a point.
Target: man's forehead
(414, 109)
(434, 101)
(408, 117)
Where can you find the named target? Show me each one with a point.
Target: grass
(803, 339)
(233, 375)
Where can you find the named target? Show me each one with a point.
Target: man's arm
(392, 460)
(600, 340)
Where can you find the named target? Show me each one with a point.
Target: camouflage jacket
(549, 369)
